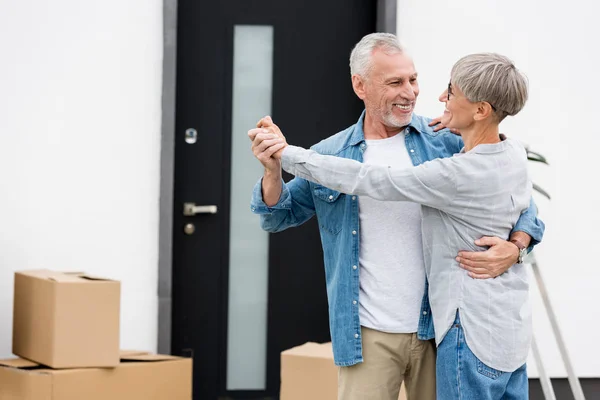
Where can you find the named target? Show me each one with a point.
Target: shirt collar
(488, 148)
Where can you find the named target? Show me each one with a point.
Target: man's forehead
(397, 73)
(393, 63)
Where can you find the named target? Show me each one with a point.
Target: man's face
(391, 89)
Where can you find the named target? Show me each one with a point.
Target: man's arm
(279, 205)
(502, 254)
(529, 230)
(294, 206)
(264, 145)
(271, 187)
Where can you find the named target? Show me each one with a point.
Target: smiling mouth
(404, 107)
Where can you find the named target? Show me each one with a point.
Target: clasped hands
(267, 143)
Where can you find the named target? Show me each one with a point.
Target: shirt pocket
(329, 205)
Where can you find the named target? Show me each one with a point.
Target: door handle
(190, 209)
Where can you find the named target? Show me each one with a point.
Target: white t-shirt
(392, 271)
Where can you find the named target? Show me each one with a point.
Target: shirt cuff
(258, 206)
(291, 156)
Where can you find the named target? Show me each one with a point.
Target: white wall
(80, 89)
(555, 44)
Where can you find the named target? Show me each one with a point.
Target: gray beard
(391, 120)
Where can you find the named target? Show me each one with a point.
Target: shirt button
(354, 302)
(412, 150)
(356, 336)
(330, 197)
(424, 312)
(253, 209)
(353, 197)
(354, 267)
(354, 232)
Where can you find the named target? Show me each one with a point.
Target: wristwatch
(522, 250)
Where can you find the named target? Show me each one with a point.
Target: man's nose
(408, 93)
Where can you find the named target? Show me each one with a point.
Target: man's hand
(437, 123)
(490, 263)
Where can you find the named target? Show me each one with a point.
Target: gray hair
(360, 58)
(492, 78)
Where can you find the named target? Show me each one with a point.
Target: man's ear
(358, 84)
(484, 111)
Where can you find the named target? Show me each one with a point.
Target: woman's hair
(360, 58)
(492, 78)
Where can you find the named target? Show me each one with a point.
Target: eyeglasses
(449, 91)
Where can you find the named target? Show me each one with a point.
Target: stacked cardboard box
(66, 329)
(308, 372)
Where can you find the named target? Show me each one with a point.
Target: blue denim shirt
(338, 219)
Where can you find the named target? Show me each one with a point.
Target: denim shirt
(339, 227)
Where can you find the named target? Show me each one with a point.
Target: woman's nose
(444, 96)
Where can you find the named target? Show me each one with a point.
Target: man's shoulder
(336, 143)
(422, 125)
(448, 138)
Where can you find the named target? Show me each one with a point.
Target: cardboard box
(308, 372)
(139, 376)
(66, 320)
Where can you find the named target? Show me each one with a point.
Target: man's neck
(374, 129)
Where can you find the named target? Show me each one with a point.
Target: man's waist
(400, 323)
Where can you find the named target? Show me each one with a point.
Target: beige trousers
(389, 360)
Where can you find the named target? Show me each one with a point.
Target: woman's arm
(432, 183)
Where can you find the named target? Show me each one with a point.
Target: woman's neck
(476, 135)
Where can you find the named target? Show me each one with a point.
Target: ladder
(544, 379)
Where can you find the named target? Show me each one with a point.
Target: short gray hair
(492, 78)
(360, 58)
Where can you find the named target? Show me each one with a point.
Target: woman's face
(459, 112)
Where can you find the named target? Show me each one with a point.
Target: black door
(241, 296)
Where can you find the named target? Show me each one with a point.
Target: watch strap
(522, 250)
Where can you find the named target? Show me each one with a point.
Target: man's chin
(396, 122)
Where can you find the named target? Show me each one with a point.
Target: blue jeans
(461, 376)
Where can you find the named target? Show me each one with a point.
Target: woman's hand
(268, 141)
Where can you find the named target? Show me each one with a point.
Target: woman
(483, 327)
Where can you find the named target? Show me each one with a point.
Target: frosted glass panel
(249, 246)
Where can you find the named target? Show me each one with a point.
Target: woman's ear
(484, 111)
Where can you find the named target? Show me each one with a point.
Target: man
(380, 319)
